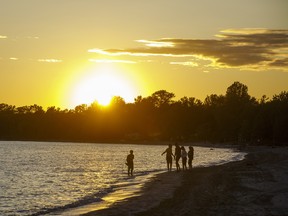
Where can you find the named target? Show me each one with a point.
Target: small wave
(239, 157)
(149, 172)
(94, 198)
(78, 203)
(72, 170)
(76, 170)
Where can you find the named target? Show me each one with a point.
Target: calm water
(41, 177)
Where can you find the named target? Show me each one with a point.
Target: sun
(100, 85)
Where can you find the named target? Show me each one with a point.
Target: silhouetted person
(190, 156)
(177, 156)
(184, 158)
(169, 155)
(130, 163)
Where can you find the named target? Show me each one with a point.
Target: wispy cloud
(17, 38)
(32, 37)
(50, 60)
(242, 48)
(112, 61)
(186, 63)
(156, 43)
(140, 52)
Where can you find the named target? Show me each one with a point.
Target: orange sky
(63, 53)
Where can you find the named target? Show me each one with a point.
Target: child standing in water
(130, 163)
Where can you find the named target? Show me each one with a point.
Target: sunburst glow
(100, 85)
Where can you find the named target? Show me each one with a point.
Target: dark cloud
(280, 63)
(233, 48)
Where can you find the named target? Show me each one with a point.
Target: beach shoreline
(256, 185)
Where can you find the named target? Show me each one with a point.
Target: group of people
(180, 152)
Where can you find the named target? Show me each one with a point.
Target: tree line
(235, 117)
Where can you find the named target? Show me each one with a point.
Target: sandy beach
(257, 185)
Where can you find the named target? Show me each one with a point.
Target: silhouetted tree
(162, 98)
(279, 105)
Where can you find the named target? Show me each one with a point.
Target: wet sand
(257, 185)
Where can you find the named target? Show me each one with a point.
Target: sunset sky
(67, 52)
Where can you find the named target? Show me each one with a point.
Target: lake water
(38, 178)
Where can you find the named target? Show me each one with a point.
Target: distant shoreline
(199, 144)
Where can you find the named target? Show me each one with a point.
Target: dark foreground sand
(257, 185)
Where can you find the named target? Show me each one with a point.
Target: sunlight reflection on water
(39, 176)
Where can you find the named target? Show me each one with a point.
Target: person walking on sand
(184, 158)
(130, 163)
(169, 155)
(190, 156)
(177, 156)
